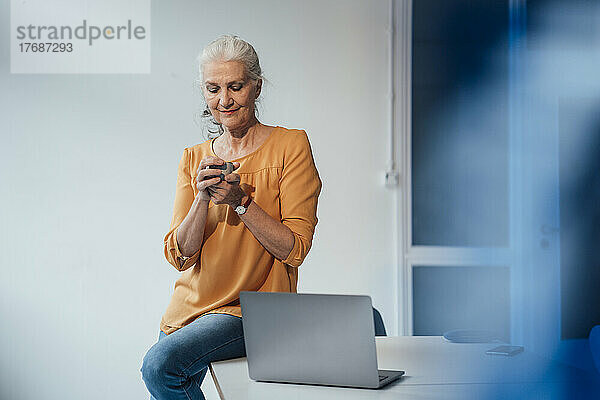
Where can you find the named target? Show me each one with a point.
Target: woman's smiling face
(229, 93)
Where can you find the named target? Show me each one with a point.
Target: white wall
(88, 168)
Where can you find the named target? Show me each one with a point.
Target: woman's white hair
(229, 48)
(232, 48)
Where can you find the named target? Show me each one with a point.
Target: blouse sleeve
(184, 197)
(299, 188)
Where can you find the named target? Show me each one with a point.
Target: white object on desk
(434, 368)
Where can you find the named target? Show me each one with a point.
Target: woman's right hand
(202, 184)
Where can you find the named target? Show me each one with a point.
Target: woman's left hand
(227, 191)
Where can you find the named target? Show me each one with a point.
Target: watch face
(240, 210)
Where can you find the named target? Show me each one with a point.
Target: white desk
(434, 368)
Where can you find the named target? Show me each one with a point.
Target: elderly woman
(248, 231)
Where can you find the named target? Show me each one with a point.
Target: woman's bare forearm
(190, 232)
(275, 237)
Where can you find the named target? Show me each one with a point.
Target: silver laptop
(318, 339)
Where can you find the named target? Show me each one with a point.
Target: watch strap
(247, 202)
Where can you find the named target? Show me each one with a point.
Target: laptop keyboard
(382, 377)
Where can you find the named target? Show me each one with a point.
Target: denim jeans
(175, 366)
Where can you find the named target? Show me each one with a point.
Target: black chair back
(379, 326)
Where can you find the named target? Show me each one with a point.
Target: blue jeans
(175, 366)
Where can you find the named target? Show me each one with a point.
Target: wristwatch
(241, 209)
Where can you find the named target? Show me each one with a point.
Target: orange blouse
(282, 179)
